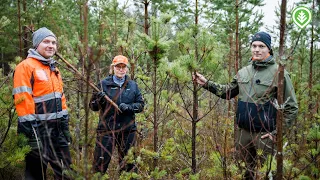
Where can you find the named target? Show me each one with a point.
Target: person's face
(259, 50)
(120, 70)
(48, 46)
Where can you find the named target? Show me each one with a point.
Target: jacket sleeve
(65, 123)
(227, 91)
(138, 104)
(290, 101)
(22, 92)
(22, 95)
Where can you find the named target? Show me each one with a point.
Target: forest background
(185, 132)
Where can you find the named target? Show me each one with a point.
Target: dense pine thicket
(185, 132)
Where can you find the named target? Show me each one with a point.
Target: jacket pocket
(262, 88)
(244, 88)
(41, 75)
(128, 95)
(243, 80)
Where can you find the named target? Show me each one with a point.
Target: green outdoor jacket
(256, 87)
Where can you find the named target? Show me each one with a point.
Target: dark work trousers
(51, 152)
(247, 144)
(105, 144)
(36, 167)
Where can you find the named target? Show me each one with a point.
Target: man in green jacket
(256, 88)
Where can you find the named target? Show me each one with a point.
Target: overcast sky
(269, 11)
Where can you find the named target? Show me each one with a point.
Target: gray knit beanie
(39, 35)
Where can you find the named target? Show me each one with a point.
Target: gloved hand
(100, 97)
(27, 129)
(125, 107)
(67, 134)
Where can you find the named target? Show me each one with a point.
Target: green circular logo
(301, 16)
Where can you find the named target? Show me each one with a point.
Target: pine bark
(195, 100)
(279, 156)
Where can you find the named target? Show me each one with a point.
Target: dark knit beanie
(39, 35)
(263, 37)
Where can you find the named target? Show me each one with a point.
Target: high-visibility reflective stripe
(43, 117)
(21, 89)
(49, 116)
(64, 112)
(47, 97)
(29, 117)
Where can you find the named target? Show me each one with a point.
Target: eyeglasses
(118, 67)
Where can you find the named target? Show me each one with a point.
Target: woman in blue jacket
(116, 129)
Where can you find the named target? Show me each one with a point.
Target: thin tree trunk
(25, 41)
(85, 42)
(26, 30)
(155, 115)
(79, 101)
(133, 60)
(312, 104)
(240, 55)
(78, 125)
(132, 68)
(146, 25)
(279, 173)
(296, 84)
(146, 17)
(195, 99)
(19, 26)
(237, 53)
(224, 160)
(237, 37)
(310, 82)
(230, 63)
(194, 126)
(116, 28)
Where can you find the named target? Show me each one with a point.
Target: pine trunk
(195, 100)
(19, 26)
(310, 81)
(146, 25)
(86, 100)
(279, 174)
(155, 116)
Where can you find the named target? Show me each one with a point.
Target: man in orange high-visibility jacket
(41, 107)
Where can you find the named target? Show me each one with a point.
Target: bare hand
(270, 136)
(199, 78)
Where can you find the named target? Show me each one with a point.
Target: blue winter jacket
(109, 118)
